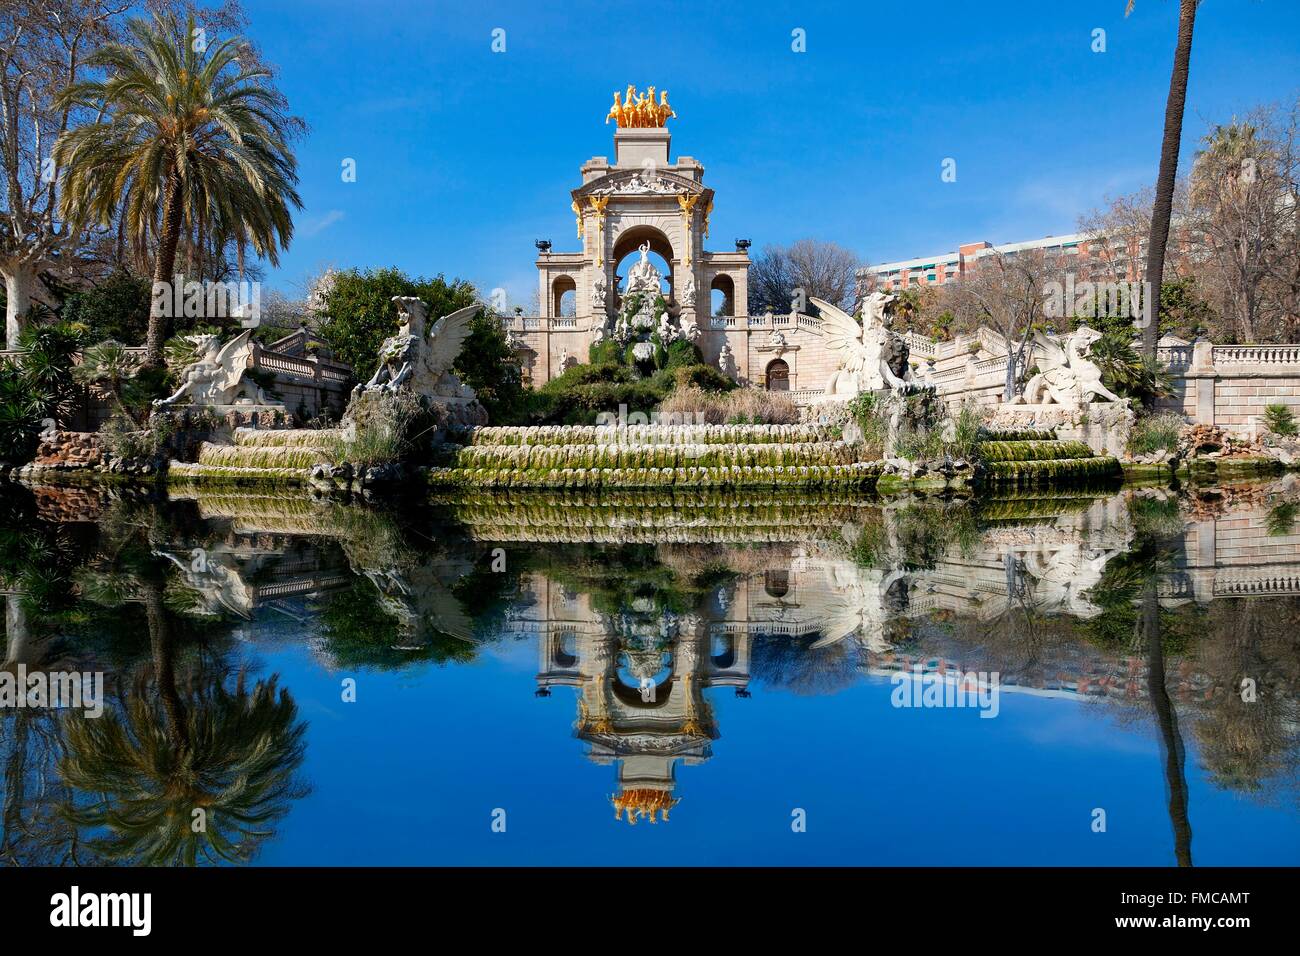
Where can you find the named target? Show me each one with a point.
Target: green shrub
(117, 308)
(487, 364)
(704, 377)
(607, 352)
(871, 419)
(1151, 433)
(585, 391)
(383, 429)
(1281, 518)
(38, 385)
(125, 439)
(682, 353)
(1126, 372)
(22, 406)
(48, 355)
(966, 431)
(1280, 420)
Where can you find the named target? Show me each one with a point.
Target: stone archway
(722, 295)
(629, 240)
(777, 376)
(561, 286)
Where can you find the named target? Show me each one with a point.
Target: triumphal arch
(644, 202)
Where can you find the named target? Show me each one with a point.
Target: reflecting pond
(1095, 678)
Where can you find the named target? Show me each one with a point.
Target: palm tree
(1164, 201)
(188, 136)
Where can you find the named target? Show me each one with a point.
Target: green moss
(1023, 434)
(1039, 472)
(1020, 450)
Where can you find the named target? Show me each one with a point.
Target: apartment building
(1117, 259)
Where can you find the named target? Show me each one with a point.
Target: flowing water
(647, 679)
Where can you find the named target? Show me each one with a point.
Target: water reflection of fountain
(835, 592)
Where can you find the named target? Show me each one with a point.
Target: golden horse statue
(634, 110)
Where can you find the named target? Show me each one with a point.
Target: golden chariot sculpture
(639, 110)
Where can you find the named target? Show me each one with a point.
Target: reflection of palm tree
(1171, 740)
(232, 754)
(169, 751)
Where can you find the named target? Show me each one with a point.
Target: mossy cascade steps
(656, 516)
(692, 456)
(282, 455)
(1018, 507)
(1035, 458)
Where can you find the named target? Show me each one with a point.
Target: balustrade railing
(995, 364)
(1175, 356)
(920, 345)
(1256, 355)
(806, 396)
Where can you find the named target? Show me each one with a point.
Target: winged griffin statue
(217, 374)
(1066, 376)
(872, 357)
(422, 362)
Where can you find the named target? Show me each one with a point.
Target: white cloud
(315, 225)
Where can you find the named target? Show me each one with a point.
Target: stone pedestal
(639, 147)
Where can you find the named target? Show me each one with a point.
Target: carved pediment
(640, 182)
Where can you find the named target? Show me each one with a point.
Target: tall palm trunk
(1171, 741)
(159, 324)
(160, 645)
(1164, 202)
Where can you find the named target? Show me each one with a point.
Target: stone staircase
(1034, 457)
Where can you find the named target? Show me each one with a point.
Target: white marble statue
(643, 277)
(691, 331)
(727, 360)
(411, 359)
(217, 376)
(217, 582)
(862, 348)
(1066, 376)
(599, 294)
(668, 332)
(858, 604)
(688, 292)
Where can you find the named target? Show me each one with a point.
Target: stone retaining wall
(1226, 385)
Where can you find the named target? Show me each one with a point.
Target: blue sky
(465, 156)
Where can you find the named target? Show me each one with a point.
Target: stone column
(687, 204)
(740, 283)
(1202, 559)
(684, 274)
(598, 204)
(1205, 376)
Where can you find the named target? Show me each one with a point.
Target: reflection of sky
(411, 773)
